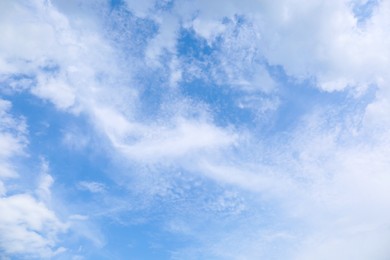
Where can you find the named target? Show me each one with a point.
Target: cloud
(57, 91)
(12, 139)
(27, 226)
(91, 186)
(45, 182)
(308, 39)
(326, 175)
(183, 138)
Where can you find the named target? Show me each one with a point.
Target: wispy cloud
(268, 120)
(91, 186)
(28, 227)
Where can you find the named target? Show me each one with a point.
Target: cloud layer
(240, 129)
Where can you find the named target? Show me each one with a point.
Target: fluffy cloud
(318, 39)
(28, 228)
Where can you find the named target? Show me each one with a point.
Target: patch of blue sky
(190, 46)
(125, 237)
(154, 91)
(299, 98)
(165, 5)
(138, 241)
(48, 128)
(69, 166)
(116, 3)
(151, 231)
(221, 97)
(363, 10)
(221, 101)
(128, 32)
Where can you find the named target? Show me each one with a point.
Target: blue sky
(182, 129)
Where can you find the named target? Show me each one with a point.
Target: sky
(194, 129)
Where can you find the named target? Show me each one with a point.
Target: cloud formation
(27, 226)
(267, 120)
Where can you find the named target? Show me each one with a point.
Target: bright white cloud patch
(235, 129)
(28, 227)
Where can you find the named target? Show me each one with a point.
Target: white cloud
(165, 40)
(57, 91)
(75, 139)
(12, 139)
(45, 182)
(65, 61)
(183, 138)
(28, 227)
(339, 54)
(309, 39)
(76, 53)
(208, 29)
(141, 8)
(92, 186)
(327, 179)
